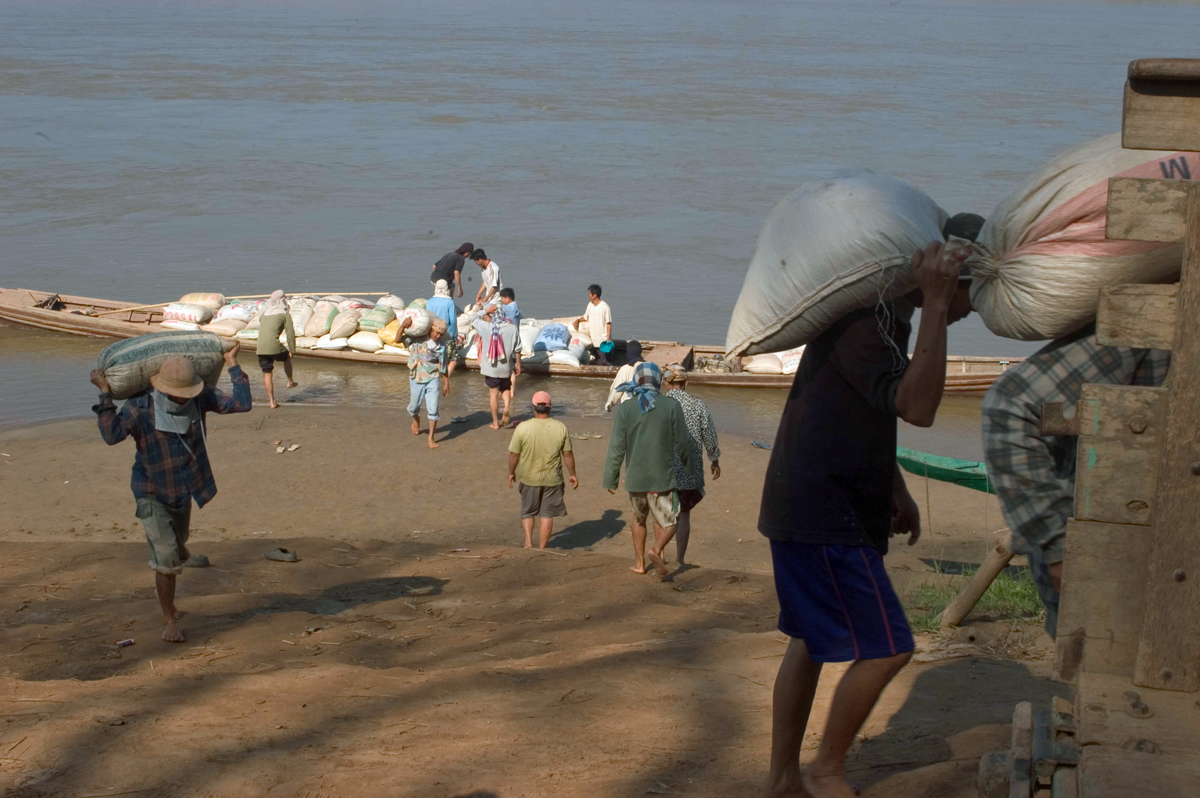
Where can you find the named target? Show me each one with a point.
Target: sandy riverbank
(385, 663)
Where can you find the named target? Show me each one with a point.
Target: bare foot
(638, 570)
(504, 421)
(293, 385)
(834, 786)
(494, 426)
(528, 544)
(172, 633)
(416, 428)
(432, 445)
(660, 567)
(179, 614)
(274, 405)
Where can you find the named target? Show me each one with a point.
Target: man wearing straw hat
(170, 428)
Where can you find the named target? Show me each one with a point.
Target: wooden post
(997, 560)
(1169, 647)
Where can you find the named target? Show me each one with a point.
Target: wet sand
(385, 662)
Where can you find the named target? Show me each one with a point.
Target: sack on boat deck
(579, 351)
(377, 319)
(226, 328)
(552, 337)
(355, 303)
(418, 303)
(247, 334)
(301, 311)
(563, 357)
(210, 301)
(128, 365)
(1042, 258)
(791, 359)
(325, 342)
(365, 341)
(392, 301)
(173, 324)
(345, 324)
(388, 349)
(830, 247)
(539, 358)
(334, 298)
(304, 342)
(196, 314)
(322, 318)
(768, 363)
(529, 331)
(238, 312)
(421, 321)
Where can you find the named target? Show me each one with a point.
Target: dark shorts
(267, 362)
(690, 498)
(543, 502)
(839, 601)
(502, 383)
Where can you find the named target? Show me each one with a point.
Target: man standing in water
(832, 497)
(275, 321)
(449, 268)
(169, 425)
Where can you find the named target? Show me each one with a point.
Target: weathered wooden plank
(1138, 316)
(1169, 650)
(1113, 712)
(1120, 432)
(1145, 209)
(1162, 106)
(1020, 775)
(1101, 606)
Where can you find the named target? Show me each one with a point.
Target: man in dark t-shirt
(832, 497)
(449, 268)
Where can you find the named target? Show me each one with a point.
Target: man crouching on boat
(832, 497)
(169, 426)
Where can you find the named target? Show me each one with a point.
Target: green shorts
(166, 534)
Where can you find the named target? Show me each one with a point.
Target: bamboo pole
(248, 296)
(997, 560)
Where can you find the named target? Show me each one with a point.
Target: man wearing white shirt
(598, 317)
(490, 290)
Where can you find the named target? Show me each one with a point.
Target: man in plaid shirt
(1034, 474)
(171, 468)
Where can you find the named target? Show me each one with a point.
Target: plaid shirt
(171, 468)
(1034, 474)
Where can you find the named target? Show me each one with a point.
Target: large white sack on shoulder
(129, 364)
(325, 342)
(830, 247)
(769, 363)
(305, 342)
(345, 324)
(180, 311)
(421, 321)
(225, 327)
(210, 301)
(365, 341)
(563, 357)
(1042, 258)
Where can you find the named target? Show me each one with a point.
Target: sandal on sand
(281, 555)
(196, 561)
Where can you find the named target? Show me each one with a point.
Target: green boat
(966, 473)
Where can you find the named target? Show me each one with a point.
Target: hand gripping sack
(830, 247)
(129, 364)
(1042, 258)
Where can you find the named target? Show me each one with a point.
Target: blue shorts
(839, 601)
(430, 392)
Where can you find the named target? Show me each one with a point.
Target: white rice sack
(365, 341)
(392, 301)
(321, 320)
(129, 364)
(325, 342)
(830, 247)
(239, 312)
(578, 350)
(334, 298)
(377, 318)
(539, 358)
(1042, 258)
(305, 342)
(345, 324)
(190, 312)
(388, 349)
(528, 333)
(564, 357)
(247, 334)
(764, 364)
(225, 327)
(301, 312)
(210, 301)
(354, 303)
(791, 359)
(173, 324)
(421, 321)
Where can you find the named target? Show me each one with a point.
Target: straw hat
(177, 377)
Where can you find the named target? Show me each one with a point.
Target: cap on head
(541, 399)
(177, 377)
(438, 324)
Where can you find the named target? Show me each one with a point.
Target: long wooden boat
(965, 376)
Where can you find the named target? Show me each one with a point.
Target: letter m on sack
(1175, 168)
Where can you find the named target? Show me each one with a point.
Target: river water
(150, 148)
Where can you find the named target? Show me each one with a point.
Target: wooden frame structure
(1129, 618)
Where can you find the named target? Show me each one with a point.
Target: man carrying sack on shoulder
(171, 468)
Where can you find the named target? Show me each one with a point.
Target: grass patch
(1011, 597)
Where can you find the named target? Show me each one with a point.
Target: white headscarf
(441, 288)
(275, 306)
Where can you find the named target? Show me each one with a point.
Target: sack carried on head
(831, 247)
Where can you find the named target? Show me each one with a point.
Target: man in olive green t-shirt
(539, 449)
(273, 322)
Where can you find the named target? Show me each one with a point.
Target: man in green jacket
(647, 436)
(274, 321)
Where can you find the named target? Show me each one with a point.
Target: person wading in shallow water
(274, 321)
(833, 495)
(169, 426)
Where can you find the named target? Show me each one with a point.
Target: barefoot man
(647, 436)
(426, 365)
(832, 496)
(536, 455)
(169, 426)
(275, 321)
